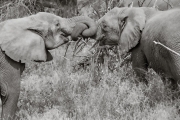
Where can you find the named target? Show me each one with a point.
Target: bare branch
(6, 5)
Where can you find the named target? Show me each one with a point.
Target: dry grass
(51, 91)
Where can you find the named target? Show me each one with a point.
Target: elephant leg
(140, 65)
(9, 97)
(10, 85)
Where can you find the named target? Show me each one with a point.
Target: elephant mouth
(100, 39)
(64, 35)
(103, 40)
(65, 39)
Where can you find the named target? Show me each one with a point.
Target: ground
(50, 91)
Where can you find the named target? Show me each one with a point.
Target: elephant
(160, 4)
(151, 36)
(28, 39)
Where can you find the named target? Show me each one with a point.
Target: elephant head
(75, 26)
(29, 38)
(123, 26)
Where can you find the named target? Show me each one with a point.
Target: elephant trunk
(82, 25)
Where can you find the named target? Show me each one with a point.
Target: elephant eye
(104, 26)
(57, 24)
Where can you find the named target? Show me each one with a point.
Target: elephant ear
(22, 39)
(131, 24)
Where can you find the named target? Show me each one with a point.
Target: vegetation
(55, 91)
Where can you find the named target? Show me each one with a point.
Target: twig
(167, 48)
(81, 56)
(168, 3)
(148, 3)
(84, 41)
(67, 46)
(154, 6)
(76, 44)
(140, 4)
(65, 58)
(97, 12)
(22, 4)
(6, 5)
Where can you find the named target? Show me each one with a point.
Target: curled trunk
(81, 25)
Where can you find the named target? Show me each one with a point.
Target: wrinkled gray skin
(135, 29)
(29, 39)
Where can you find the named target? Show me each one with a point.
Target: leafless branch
(6, 5)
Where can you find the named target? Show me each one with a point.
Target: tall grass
(51, 91)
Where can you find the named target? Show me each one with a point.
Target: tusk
(166, 48)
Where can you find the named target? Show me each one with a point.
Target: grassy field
(53, 91)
